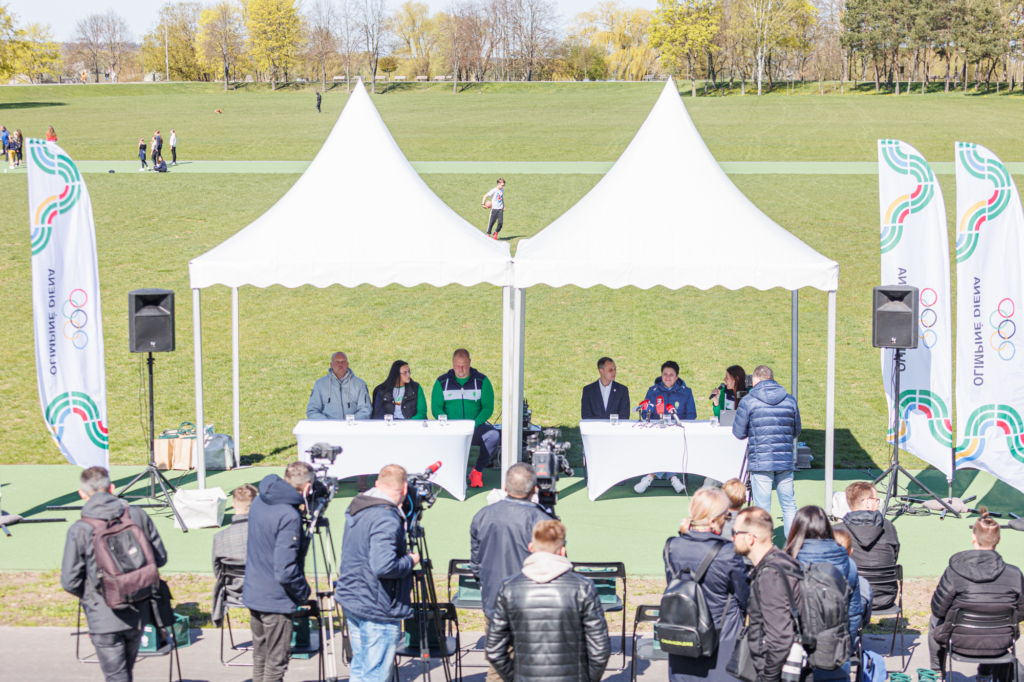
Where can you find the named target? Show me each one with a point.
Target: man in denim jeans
(375, 577)
(770, 418)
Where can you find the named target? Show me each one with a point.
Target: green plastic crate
(152, 641)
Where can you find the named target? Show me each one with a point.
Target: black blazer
(592, 405)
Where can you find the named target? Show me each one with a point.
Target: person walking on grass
(142, 153)
(318, 101)
(174, 148)
(158, 146)
(497, 206)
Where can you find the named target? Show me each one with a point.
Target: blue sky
(61, 15)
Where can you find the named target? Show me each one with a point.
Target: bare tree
(346, 37)
(221, 37)
(90, 34)
(374, 25)
(322, 21)
(117, 38)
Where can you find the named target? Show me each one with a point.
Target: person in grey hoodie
(339, 393)
(115, 634)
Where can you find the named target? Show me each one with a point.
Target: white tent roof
(667, 215)
(359, 215)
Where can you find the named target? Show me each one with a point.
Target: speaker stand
(155, 476)
(895, 468)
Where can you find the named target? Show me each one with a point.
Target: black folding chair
(467, 596)
(998, 621)
(231, 601)
(645, 648)
(604, 574)
(889, 576)
(444, 645)
(169, 648)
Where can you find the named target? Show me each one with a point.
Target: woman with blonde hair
(51, 135)
(724, 583)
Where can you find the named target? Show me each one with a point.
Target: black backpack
(685, 625)
(826, 622)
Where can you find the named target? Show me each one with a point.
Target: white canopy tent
(667, 194)
(304, 239)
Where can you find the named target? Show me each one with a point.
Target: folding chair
(467, 596)
(169, 648)
(450, 638)
(604, 574)
(645, 648)
(232, 601)
(995, 622)
(890, 576)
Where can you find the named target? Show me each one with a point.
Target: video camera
(422, 492)
(548, 459)
(321, 456)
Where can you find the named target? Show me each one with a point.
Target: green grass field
(150, 226)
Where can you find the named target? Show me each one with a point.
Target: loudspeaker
(894, 318)
(151, 321)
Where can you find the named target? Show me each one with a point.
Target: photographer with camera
(376, 574)
(275, 584)
(500, 537)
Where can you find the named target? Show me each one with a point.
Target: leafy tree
(174, 38)
(767, 25)
(274, 30)
(36, 54)
(221, 38)
(416, 34)
(683, 29)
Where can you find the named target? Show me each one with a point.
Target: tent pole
(830, 403)
(234, 376)
(795, 358)
(197, 350)
(520, 361)
(512, 378)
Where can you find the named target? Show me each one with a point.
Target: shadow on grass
(29, 105)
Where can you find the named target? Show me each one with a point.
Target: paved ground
(201, 661)
(523, 167)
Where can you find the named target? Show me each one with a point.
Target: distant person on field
(158, 145)
(737, 494)
(5, 137)
(142, 153)
(875, 542)
(605, 396)
(465, 393)
(770, 418)
(318, 101)
(51, 135)
(979, 581)
(174, 148)
(497, 206)
(14, 149)
(229, 547)
(21, 146)
(161, 165)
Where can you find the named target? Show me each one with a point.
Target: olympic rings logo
(929, 318)
(1005, 328)
(77, 318)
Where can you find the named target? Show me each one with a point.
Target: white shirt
(497, 197)
(399, 393)
(174, 140)
(606, 392)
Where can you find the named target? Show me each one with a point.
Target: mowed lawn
(509, 122)
(150, 226)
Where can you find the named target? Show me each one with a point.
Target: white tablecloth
(615, 453)
(370, 445)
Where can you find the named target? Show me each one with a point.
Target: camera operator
(500, 537)
(375, 576)
(275, 585)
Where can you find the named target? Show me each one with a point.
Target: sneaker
(645, 483)
(174, 163)
(677, 485)
(476, 479)
(495, 236)
(141, 169)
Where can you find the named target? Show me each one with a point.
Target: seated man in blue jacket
(668, 389)
(375, 576)
(605, 396)
(275, 554)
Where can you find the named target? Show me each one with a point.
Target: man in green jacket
(464, 393)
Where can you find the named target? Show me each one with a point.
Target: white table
(616, 453)
(415, 445)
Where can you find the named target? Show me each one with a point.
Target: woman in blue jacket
(811, 542)
(672, 391)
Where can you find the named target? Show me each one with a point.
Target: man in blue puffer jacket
(375, 576)
(770, 418)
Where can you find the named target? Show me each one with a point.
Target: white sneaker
(141, 169)
(677, 485)
(645, 483)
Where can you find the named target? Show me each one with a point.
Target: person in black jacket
(551, 616)
(115, 634)
(875, 542)
(605, 396)
(770, 630)
(724, 584)
(500, 537)
(399, 395)
(980, 581)
(275, 585)
(159, 165)
(375, 576)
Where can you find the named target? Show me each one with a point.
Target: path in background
(619, 526)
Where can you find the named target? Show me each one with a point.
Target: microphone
(659, 405)
(672, 412)
(432, 469)
(721, 389)
(643, 406)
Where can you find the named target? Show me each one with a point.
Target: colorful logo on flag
(984, 168)
(80, 405)
(47, 211)
(933, 407)
(908, 204)
(1005, 328)
(984, 418)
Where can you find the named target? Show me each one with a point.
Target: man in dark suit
(605, 396)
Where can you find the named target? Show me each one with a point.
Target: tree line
(899, 45)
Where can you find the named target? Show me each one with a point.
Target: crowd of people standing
(14, 143)
(156, 145)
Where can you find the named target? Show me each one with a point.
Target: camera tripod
(319, 536)
(426, 611)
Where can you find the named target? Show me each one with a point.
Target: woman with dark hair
(811, 542)
(735, 381)
(399, 395)
(724, 583)
(670, 390)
